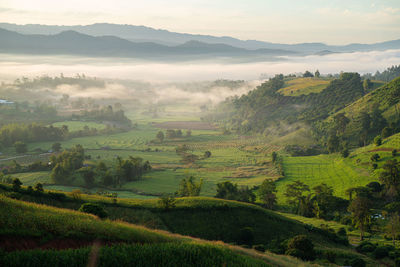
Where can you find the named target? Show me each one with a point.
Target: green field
(304, 86)
(333, 170)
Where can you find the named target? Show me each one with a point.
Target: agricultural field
(332, 169)
(304, 86)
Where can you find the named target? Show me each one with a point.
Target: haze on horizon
(334, 22)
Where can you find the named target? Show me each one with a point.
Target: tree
(360, 209)
(393, 226)
(267, 193)
(88, 176)
(226, 190)
(394, 152)
(345, 153)
(170, 134)
(390, 176)
(207, 154)
(189, 133)
(308, 74)
(16, 184)
(317, 74)
(56, 147)
(294, 193)
(378, 140)
(274, 156)
(333, 143)
(375, 157)
(20, 147)
(367, 85)
(160, 136)
(39, 187)
(188, 187)
(386, 132)
(340, 123)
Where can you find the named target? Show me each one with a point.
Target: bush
(378, 140)
(259, 247)
(382, 251)
(301, 247)
(16, 184)
(246, 236)
(167, 202)
(357, 262)
(94, 209)
(365, 247)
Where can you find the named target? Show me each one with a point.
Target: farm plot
(333, 170)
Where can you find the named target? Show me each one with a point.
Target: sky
(283, 21)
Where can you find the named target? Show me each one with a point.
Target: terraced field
(304, 86)
(333, 170)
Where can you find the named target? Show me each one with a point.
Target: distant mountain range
(103, 39)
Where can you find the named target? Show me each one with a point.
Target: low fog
(161, 83)
(14, 66)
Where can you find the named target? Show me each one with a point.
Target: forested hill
(265, 107)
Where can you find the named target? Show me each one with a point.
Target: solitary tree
(160, 136)
(378, 140)
(391, 178)
(188, 187)
(360, 209)
(207, 154)
(267, 193)
(56, 147)
(317, 74)
(16, 184)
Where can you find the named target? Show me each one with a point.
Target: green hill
(32, 228)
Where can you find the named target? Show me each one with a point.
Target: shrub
(382, 251)
(378, 140)
(259, 247)
(365, 247)
(345, 153)
(357, 262)
(39, 187)
(94, 209)
(16, 184)
(394, 152)
(301, 247)
(167, 202)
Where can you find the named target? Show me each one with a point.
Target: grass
(304, 86)
(74, 126)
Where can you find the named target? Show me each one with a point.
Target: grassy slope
(207, 218)
(304, 86)
(39, 220)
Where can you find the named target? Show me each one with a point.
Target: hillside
(38, 226)
(70, 229)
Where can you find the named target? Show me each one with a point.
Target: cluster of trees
(320, 202)
(52, 82)
(12, 133)
(105, 114)
(386, 76)
(172, 134)
(69, 165)
(65, 164)
(228, 190)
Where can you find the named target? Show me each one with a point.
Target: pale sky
(284, 21)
